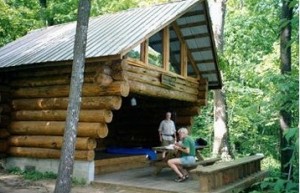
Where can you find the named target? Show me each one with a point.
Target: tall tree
(63, 182)
(285, 57)
(221, 133)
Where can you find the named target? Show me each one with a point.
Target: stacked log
(4, 117)
(39, 109)
(146, 80)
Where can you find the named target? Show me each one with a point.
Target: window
(135, 53)
(155, 55)
(175, 51)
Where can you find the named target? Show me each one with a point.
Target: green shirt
(188, 142)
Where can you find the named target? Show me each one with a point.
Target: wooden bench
(232, 176)
(160, 164)
(204, 162)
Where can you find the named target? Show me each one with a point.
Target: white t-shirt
(167, 129)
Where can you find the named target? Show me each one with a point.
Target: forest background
(255, 88)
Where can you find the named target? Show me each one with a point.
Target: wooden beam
(205, 61)
(183, 59)
(188, 25)
(144, 51)
(166, 48)
(200, 49)
(180, 37)
(203, 35)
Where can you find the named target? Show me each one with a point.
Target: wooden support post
(183, 59)
(166, 49)
(144, 51)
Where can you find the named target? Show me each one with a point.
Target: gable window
(135, 53)
(175, 52)
(155, 50)
(167, 51)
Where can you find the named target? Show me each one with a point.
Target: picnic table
(159, 164)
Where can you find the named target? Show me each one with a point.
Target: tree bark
(285, 57)
(221, 132)
(65, 170)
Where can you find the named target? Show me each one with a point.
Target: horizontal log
(102, 102)
(49, 80)
(119, 65)
(54, 70)
(103, 116)
(155, 91)
(88, 155)
(154, 71)
(118, 88)
(157, 82)
(120, 75)
(53, 142)
(203, 85)
(93, 130)
(4, 133)
(103, 79)
(104, 69)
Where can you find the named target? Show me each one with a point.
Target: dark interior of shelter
(136, 123)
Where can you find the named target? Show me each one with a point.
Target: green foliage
(255, 89)
(17, 18)
(78, 182)
(36, 175)
(276, 183)
(32, 175)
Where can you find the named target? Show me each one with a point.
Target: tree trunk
(221, 133)
(65, 170)
(285, 57)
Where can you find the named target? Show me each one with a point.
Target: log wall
(39, 108)
(39, 101)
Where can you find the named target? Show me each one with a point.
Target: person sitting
(187, 150)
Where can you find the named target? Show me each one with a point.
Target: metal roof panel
(116, 34)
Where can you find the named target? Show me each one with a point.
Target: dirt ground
(10, 183)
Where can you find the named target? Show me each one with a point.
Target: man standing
(167, 132)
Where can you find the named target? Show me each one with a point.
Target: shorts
(167, 142)
(187, 160)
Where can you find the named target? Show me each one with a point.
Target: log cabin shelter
(140, 63)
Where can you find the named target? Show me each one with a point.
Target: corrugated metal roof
(115, 34)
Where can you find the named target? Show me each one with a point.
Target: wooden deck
(142, 180)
